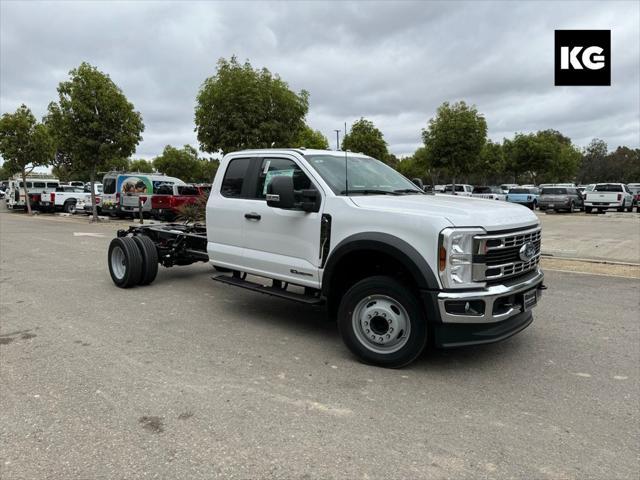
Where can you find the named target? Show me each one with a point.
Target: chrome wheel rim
(118, 263)
(381, 324)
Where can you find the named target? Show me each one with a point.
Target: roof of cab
(301, 151)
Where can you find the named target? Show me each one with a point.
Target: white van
(37, 184)
(121, 191)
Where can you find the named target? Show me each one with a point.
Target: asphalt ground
(611, 236)
(188, 378)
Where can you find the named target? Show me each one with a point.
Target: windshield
(608, 187)
(554, 191)
(366, 175)
(459, 188)
(481, 190)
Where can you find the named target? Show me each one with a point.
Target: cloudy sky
(393, 63)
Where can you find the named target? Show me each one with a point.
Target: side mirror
(280, 192)
(418, 183)
(310, 200)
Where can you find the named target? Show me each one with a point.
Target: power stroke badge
(583, 57)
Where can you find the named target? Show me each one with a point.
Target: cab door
(282, 243)
(228, 203)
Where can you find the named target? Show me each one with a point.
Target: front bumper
(496, 313)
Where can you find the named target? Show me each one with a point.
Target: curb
(589, 260)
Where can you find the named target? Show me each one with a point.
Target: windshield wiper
(408, 190)
(368, 191)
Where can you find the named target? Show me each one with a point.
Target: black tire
(621, 209)
(630, 209)
(588, 209)
(69, 207)
(387, 287)
(149, 254)
(572, 207)
(125, 250)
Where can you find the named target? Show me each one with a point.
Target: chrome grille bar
(501, 245)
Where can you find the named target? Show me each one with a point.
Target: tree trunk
(26, 192)
(94, 207)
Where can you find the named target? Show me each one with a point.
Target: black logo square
(583, 57)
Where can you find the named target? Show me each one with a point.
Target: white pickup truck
(398, 268)
(608, 195)
(67, 198)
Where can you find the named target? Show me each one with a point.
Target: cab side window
(273, 167)
(234, 177)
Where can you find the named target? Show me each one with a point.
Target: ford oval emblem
(527, 251)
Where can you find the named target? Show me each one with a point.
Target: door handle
(252, 216)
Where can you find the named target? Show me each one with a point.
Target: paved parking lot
(191, 379)
(611, 236)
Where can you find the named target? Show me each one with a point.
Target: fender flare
(397, 248)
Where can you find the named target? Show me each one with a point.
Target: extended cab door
(282, 243)
(228, 202)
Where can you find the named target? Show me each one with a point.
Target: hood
(460, 211)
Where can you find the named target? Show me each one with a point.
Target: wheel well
(360, 264)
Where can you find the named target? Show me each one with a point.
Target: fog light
(462, 307)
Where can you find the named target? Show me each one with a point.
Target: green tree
(630, 159)
(365, 137)
(182, 163)
(310, 138)
(455, 137)
(208, 169)
(141, 165)
(24, 145)
(242, 107)
(94, 123)
(545, 156)
(410, 168)
(5, 172)
(491, 162)
(522, 153)
(594, 159)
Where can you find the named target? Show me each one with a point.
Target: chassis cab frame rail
(177, 243)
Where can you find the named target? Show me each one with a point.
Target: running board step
(276, 292)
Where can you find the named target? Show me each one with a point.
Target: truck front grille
(498, 256)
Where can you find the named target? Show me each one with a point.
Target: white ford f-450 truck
(399, 269)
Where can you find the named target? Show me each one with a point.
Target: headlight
(455, 257)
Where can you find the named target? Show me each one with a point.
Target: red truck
(167, 200)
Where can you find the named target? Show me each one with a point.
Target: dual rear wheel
(132, 261)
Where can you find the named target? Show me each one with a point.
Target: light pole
(337, 139)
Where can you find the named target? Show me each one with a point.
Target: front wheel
(382, 322)
(588, 209)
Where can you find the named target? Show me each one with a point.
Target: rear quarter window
(234, 176)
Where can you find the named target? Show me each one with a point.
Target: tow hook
(542, 287)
